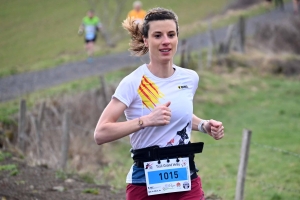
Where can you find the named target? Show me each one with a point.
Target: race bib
(167, 176)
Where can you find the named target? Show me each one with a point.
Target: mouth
(165, 50)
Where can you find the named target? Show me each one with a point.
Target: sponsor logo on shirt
(183, 87)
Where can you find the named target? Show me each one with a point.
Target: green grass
(269, 107)
(266, 105)
(4, 155)
(94, 191)
(43, 34)
(59, 174)
(12, 169)
(87, 177)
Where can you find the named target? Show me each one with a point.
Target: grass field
(269, 106)
(42, 34)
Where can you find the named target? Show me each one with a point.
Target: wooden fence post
(65, 140)
(188, 58)
(210, 46)
(37, 129)
(103, 89)
(200, 56)
(228, 39)
(241, 34)
(22, 124)
(241, 176)
(182, 57)
(41, 112)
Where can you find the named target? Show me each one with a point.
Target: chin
(166, 60)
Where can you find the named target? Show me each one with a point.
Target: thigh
(196, 193)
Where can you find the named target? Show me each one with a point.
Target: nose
(166, 40)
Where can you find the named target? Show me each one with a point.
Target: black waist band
(156, 153)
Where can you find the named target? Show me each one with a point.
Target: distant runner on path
(90, 25)
(137, 13)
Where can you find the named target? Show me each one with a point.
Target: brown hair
(139, 30)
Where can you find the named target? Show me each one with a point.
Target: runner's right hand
(160, 116)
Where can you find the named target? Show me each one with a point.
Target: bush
(278, 38)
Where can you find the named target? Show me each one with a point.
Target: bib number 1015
(167, 175)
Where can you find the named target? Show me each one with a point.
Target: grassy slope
(269, 106)
(39, 34)
(266, 105)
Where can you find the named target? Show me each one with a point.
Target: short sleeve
(195, 82)
(125, 92)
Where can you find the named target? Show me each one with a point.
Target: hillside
(42, 34)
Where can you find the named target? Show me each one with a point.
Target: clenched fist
(160, 116)
(215, 129)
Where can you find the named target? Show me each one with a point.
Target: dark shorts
(92, 40)
(136, 192)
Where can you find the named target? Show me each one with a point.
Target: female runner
(157, 99)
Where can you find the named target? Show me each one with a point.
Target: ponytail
(137, 45)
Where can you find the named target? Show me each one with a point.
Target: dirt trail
(41, 183)
(20, 84)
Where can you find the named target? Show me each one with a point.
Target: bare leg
(90, 48)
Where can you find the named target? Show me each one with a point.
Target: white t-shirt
(141, 92)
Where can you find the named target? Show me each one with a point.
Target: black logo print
(183, 135)
(183, 87)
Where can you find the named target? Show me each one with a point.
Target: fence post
(182, 57)
(228, 39)
(37, 128)
(188, 58)
(65, 139)
(241, 34)
(240, 184)
(41, 112)
(200, 55)
(22, 124)
(210, 46)
(103, 89)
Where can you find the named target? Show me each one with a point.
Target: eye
(157, 35)
(171, 35)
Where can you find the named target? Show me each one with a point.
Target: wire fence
(266, 185)
(276, 149)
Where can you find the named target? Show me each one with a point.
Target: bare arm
(195, 121)
(213, 128)
(108, 129)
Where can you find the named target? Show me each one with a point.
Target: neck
(161, 70)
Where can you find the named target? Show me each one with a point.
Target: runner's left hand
(215, 129)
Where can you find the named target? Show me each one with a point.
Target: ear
(145, 41)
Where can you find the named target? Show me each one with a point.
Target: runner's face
(90, 14)
(162, 40)
(137, 8)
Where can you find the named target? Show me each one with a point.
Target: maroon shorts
(136, 192)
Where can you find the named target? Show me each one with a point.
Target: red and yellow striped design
(149, 93)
